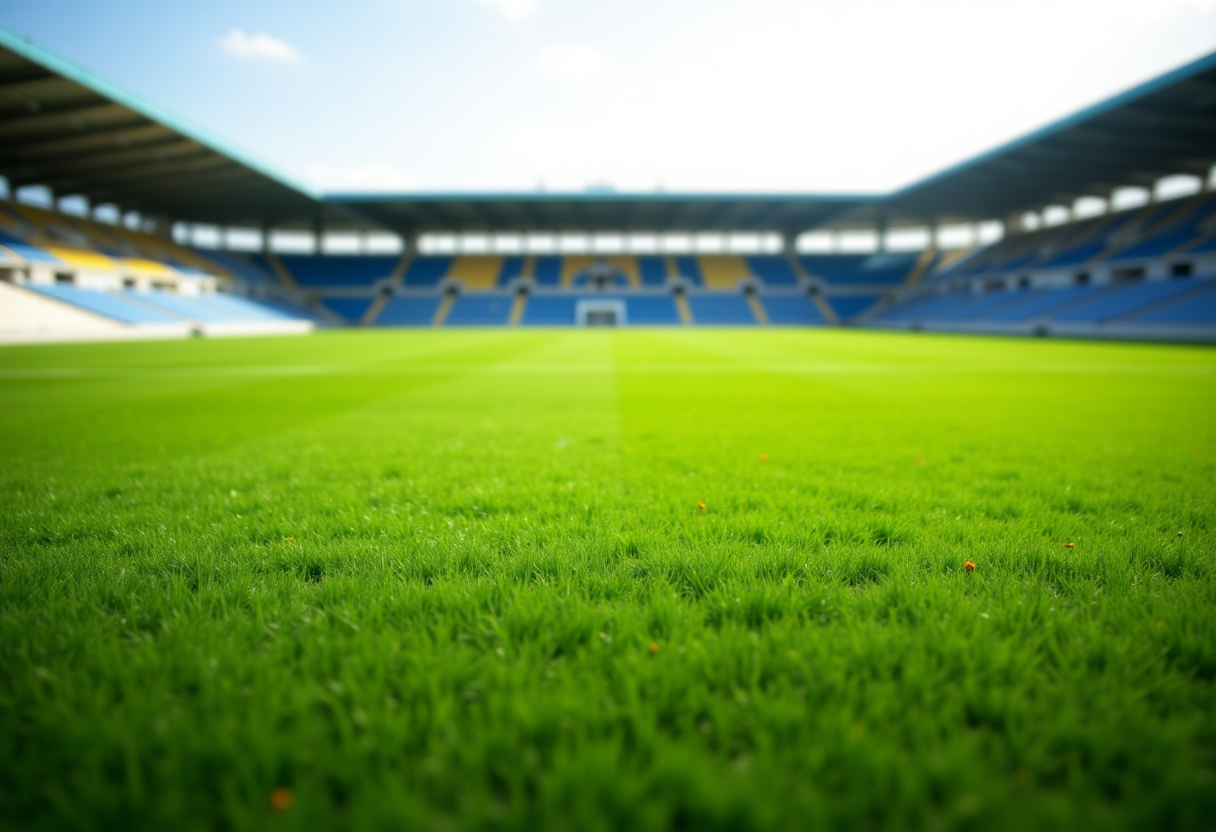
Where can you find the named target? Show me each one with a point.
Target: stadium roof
(62, 127)
(413, 213)
(1165, 126)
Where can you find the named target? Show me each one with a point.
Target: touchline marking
(571, 368)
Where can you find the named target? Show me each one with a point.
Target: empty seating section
(547, 271)
(572, 266)
(773, 271)
(334, 270)
(292, 310)
(243, 267)
(426, 272)
(640, 310)
(847, 307)
(41, 236)
(653, 270)
(476, 272)
(1179, 230)
(1198, 307)
(480, 309)
(408, 311)
(350, 309)
(981, 305)
(185, 308)
(512, 267)
(923, 308)
(689, 269)
(859, 269)
(1036, 303)
(239, 308)
(720, 309)
(550, 310)
(791, 310)
(723, 271)
(26, 251)
(651, 310)
(108, 305)
(1122, 300)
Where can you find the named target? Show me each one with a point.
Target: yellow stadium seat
(723, 271)
(476, 272)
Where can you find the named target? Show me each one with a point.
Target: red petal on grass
(969, 566)
(281, 799)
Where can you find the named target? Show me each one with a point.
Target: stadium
(600, 509)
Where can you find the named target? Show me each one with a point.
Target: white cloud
(379, 176)
(259, 47)
(513, 9)
(574, 63)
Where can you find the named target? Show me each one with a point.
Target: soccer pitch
(706, 579)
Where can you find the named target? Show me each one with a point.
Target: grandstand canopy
(66, 129)
(541, 212)
(1163, 127)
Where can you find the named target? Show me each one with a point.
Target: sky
(773, 96)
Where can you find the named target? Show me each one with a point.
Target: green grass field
(461, 580)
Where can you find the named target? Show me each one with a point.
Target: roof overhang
(66, 129)
(1165, 126)
(411, 214)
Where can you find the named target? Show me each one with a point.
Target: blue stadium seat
(426, 272)
(1036, 303)
(690, 269)
(923, 308)
(512, 267)
(773, 270)
(1175, 235)
(720, 309)
(850, 306)
(106, 304)
(243, 267)
(183, 307)
(790, 310)
(651, 310)
(548, 271)
(860, 269)
(653, 270)
(291, 310)
(480, 310)
(408, 311)
(1199, 307)
(981, 305)
(549, 310)
(350, 309)
(1122, 300)
(23, 249)
(335, 270)
(244, 308)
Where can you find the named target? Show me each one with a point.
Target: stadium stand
(426, 272)
(122, 309)
(405, 311)
(1146, 271)
(349, 309)
(720, 309)
(774, 272)
(480, 309)
(792, 310)
(331, 271)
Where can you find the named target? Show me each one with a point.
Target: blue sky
(684, 95)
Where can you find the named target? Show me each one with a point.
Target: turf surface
(450, 580)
